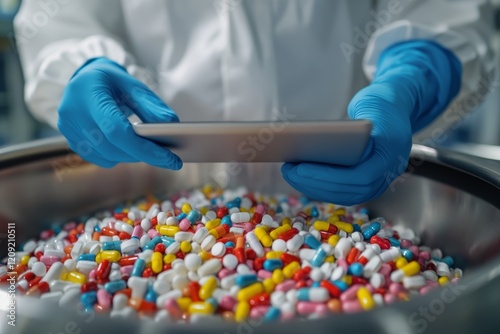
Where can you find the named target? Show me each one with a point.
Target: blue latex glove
(93, 116)
(413, 84)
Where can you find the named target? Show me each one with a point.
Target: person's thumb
(148, 106)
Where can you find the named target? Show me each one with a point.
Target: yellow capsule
(321, 225)
(250, 291)
(204, 210)
(169, 258)
(265, 228)
(212, 223)
(263, 237)
(201, 308)
(291, 269)
(269, 285)
(411, 268)
(168, 230)
(401, 262)
(205, 256)
(333, 218)
(98, 258)
(208, 288)
(157, 262)
(443, 280)
(340, 212)
(24, 259)
(330, 259)
(130, 222)
(280, 230)
(278, 276)
(273, 255)
(333, 240)
(125, 210)
(347, 279)
(76, 277)
(185, 246)
(186, 208)
(346, 227)
(365, 299)
(242, 209)
(330, 208)
(286, 221)
(184, 303)
(111, 255)
(242, 311)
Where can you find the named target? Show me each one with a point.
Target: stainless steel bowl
(452, 200)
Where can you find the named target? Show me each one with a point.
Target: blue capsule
(181, 216)
(319, 257)
(364, 211)
(88, 299)
(245, 280)
(394, 242)
(314, 212)
(97, 229)
(312, 242)
(406, 253)
(153, 242)
(150, 295)
(355, 269)
(138, 268)
(112, 245)
(303, 200)
(193, 216)
(272, 264)
(315, 285)
(226, 220)
(356, 228)
(341, 285)
(272, 314)
(230, 244)
(167, 241)
(213, 301)
(448, 260)
(115, 286)
(86, 257)
(371, 230)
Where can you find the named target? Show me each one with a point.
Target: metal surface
(451, 199)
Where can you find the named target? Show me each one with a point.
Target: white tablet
(334, 142)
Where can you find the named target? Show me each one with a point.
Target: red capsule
(180, 255)
(127, 260)
(333, 290)
(302, 274)
(258, 263)
(194, 291)
(222, 212)
(147, 306)
(160, 248)
(167, 266)
(120, 215)
(288, 234)
(256, 218)
(153, 221)
(300, 285)
(40, 288)
(103, 270)
(353, 255)
(289, 258)
(39, 255)
(359, 280)
(229, 250)
(109, 232)
(34, 282)
(381, 291)
(124, 236)
(303, 215)
(262, 299)
(89, 286)
(72, 238)
(28, 276)
(325, 235)
(382, 242)
(148, 272)
(431, 266)
(250, 254)
(240, 254)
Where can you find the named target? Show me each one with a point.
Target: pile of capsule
(230, 255)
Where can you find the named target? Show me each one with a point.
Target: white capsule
(279, 245)
(295, 243)
(228, 282)
(378, 299)
(183, 236)
(200, 235)
(372, 266)
(291, 296)
(115, 275)
(39, 268)
(160, 287)
(237, 230)
(390, 255)
(327, 269)
(70, 264)
(278, 298)
(255, 244)
(59, 285)
(377, 280)
(172, 294)
(210, 267)
(181, 270)
(208, 243)
(144, 240)
(70, 297)
(414, 282)
(357, 236)
(179, 282)
(77, 250)
(195, 247)
(243, 269)
(240, 217)
(306, 254)
(360, 245)
(192, 261)
(193, 276)
(31, 262)
(172, 221)
(430, 275)
(29, 246)
(173, 248)
(315, 233)
(230, 261)
(316, 275)
(53, 273)
(218, 249)
(337, 273)
(146, 255)
(342, 248)
(161, 218)
(442, 269)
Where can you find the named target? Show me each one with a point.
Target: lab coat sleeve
(56, 37)
(463, 26)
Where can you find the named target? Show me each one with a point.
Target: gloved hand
(413, 84)
(93, 116)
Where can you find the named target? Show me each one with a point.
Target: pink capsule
(425, 255)
(126, 270)
(343, 263)
(137, 232)
(307, 308)
(153, 233)
(263, 274)
(249, 263)
(352, 306)
(286, 285)
(104, 299)
(248, 227)
(228, 303)
(385, 269)
(92, 275)
(260, 209)
(396, 288)
(414, 249)
(224, 272)
(49, 260)
(350, 293)
(389, 298)
(258, 312)
(198, 226)
(184, 224)
(405, 243)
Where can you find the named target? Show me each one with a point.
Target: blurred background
(479, 134)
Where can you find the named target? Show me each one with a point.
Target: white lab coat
(243, 59)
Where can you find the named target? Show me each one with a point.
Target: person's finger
(148, 106)
(88, 154)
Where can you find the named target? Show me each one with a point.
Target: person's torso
(249, 60)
